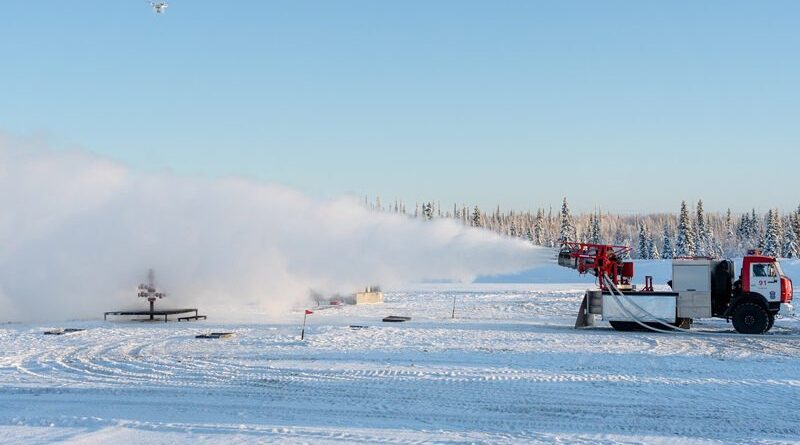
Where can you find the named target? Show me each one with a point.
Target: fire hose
(638, 320)
(612, 288)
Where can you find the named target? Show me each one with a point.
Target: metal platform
(153, 314)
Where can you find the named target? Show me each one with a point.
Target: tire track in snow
(507, 379)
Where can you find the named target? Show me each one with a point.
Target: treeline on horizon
(688, 232)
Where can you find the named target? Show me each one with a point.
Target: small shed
(370, 295)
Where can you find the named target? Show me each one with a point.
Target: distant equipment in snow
(215, 335)
(370, 295)
(149, 292)
(159, 7)
(396, 319)
(61, 331)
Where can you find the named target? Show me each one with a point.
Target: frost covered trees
(652, 248)
(771, 243)
(538, 228)
(476, 218)
(690, 232)
(595, 234)
(684, 245)
(729, 246)
(567, 231)
(702, 241)
(644, 242)
(666, 251)
(427, 211)
(647, 247)
(789, 249)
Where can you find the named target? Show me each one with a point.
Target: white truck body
(653, 308)
(692, 280)
(691, 296)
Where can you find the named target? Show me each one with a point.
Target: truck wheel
(683, 323)
(771, 321)
(750, 318)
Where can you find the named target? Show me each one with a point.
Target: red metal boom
(598, 260)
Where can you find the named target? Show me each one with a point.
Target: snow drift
(78, 232)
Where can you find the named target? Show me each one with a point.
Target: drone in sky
(159, 7)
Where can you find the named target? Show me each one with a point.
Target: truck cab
(762, 279)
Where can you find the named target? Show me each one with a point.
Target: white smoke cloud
(78, 232)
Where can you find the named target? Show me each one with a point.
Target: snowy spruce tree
(620, 237)
(595, 233)
(789, 240)
(684, 245)
(743, 233)
(771, 242)
(796, 223)
(729, 244)
(702, 235)
(476, 217)
(755, 237)
(643, 249)
(538, 228)
(652, 248)
(714, 249)
(427, 211)
(666, 251)
(567, 232)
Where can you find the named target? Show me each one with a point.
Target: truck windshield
(764, 270)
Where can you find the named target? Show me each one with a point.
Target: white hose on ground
(612, 287)
(674, 329)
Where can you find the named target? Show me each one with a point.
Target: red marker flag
(303, 332)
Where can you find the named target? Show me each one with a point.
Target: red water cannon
(599, 260)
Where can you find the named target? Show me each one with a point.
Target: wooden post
(303, 331)
(453, 315)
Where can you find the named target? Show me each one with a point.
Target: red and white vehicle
(700, 288)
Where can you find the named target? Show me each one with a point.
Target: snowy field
(508, 369)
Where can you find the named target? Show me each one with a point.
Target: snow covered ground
(508, 369)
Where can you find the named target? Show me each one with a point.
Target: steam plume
(78, 232)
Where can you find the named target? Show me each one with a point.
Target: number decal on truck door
(764, 279)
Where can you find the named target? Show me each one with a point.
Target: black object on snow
(396, 319)
(215, 335)
(66, 331)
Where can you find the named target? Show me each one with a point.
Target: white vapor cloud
(78, 232)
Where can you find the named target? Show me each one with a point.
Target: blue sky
(625, 105)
